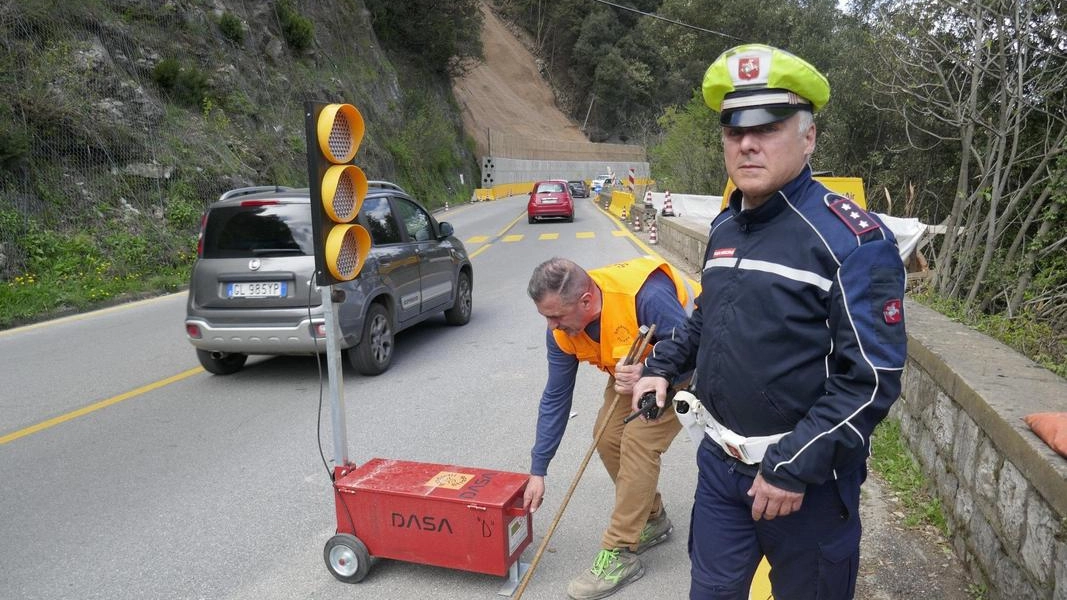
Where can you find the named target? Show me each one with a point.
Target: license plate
(549, 201)
(256, 289)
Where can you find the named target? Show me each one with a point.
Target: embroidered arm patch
(854, 217)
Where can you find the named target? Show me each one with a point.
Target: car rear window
(247, 231)
(549, 188)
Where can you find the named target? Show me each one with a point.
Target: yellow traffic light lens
(346, 250)
(343, 190)
(340, 131)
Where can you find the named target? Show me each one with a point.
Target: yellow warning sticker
(450, 480)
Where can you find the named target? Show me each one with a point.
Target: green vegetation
(231, 27)
(298, 31)
(109, 155)
(444, 36)
(1024, 333)
(187, 85)
(890, 458)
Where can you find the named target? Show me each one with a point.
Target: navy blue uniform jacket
(799, 328)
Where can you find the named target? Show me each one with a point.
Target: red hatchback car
(550, 199)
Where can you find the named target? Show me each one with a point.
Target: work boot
(655, 532)
(611, 570)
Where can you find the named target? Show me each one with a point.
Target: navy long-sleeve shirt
(657, 303)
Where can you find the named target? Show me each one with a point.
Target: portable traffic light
(334, 132)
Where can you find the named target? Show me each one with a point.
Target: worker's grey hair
(558, 276)
(806, 120)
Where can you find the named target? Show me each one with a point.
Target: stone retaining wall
(1002, 490)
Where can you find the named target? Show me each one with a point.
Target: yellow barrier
(621, 201)
(850, 187)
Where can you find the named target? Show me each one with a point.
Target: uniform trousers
(631, 454)
(813, 552)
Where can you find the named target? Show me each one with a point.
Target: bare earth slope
(507, 93)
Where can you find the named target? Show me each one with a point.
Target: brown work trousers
(631, 454)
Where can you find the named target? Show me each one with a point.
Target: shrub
(166, 72)
(231, 28)
(296, 28)
(187, 85)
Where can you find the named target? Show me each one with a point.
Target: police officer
(798, 344)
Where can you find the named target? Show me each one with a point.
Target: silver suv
(252, 289)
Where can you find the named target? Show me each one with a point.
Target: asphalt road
(129, 472)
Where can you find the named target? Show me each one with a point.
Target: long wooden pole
(636, 350)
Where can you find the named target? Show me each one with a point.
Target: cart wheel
(347, 558)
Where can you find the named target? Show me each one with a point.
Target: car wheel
(570, 219)
(221, 363)
(373, 354)
(460, 313)
(346, 558)
(531, 219)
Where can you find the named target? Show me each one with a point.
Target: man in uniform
(594, 317)
(798, 344)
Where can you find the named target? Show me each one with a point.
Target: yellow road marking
(97, 406)
(478, 239)
(548, 236)
(585, 235)
(620, 233)
(515, 237)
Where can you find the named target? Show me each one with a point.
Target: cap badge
(748, 68)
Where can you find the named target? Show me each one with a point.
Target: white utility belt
(749, 450)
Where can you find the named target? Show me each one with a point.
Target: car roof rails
(259, 189)
(386, 184)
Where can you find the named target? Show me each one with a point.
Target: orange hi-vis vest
(618, 285)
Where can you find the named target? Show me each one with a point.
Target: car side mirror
(445, 228)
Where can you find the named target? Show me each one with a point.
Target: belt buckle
(735, 451)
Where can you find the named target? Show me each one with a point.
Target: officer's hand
(626, 376)
(535, 494)
(651, 383)
(769, 501)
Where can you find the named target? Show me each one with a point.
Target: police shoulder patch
(857, 219)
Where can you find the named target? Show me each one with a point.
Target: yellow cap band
(750, 68)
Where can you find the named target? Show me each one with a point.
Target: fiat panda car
(252, 288)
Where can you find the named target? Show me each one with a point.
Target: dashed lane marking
(585, 235)
(548, 236)
(478, 239)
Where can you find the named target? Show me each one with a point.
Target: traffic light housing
(334, 132)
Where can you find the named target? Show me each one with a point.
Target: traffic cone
(446, 205)
(637, 221)
(652, 238)
(624, 214)
(668, 210)
(648, 198)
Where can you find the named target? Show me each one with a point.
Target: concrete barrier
(1002, 490)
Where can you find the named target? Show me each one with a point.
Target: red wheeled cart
(443, 515)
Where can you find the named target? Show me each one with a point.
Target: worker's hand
(651, 383)
(626, 376)
(535, 494)
(769, 501)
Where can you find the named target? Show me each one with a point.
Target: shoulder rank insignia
(855, 217)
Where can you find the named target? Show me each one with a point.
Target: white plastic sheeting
(909, 232)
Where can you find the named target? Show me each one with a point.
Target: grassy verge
(892, 461)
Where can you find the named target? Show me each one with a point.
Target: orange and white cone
(668, 210)
(623, 214)
(637, 221)
(652, 238)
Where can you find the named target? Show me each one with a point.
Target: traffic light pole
(335, 377)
